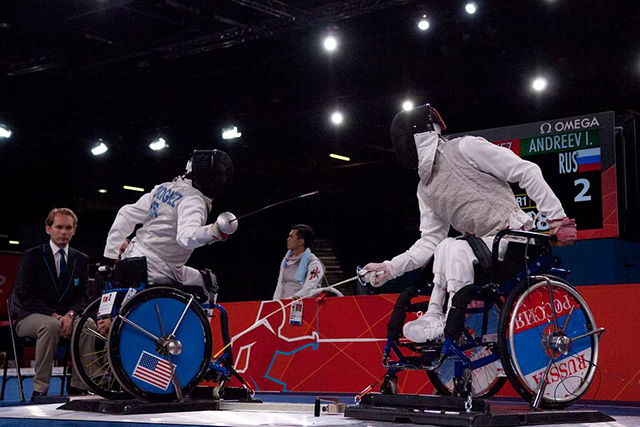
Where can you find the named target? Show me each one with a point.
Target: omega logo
(569, 125)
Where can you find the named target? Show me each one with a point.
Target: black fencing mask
(211, 172)
(408, 123)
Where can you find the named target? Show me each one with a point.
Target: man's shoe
(37, 394)
(73, 391)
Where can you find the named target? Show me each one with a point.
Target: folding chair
(18, 346)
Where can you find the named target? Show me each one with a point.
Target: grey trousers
(47, 331)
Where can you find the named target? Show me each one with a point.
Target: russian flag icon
(589, 160)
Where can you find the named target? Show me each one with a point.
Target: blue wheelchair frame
(449, 347)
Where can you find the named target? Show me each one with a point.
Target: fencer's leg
(210, 284)
(430, 326)
(203, 278)
(459, 270)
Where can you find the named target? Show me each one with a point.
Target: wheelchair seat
(132, 272)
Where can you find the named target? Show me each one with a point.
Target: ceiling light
(337, 118)
(4, 132)
(231, 133)
(539, 84)
(158, 144)
(102, 191)
(339, 157)
(99, 148)
(129, 187)
(14, 242)
(423, 24)
(330, 43)
(471, 8)
(407, 105)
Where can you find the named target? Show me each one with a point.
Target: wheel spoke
(94, 361)
(174, 376)
(94, 333)
(553, 304)
(173, 334)
(587, 334)
(543, 384)
(141, 329)
(93, 353)
(566, 322)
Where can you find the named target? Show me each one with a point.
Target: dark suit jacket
(38, 289)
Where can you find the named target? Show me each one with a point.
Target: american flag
(153, 370)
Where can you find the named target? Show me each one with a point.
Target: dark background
(126, 71)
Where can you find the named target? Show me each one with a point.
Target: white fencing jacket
(173, 217)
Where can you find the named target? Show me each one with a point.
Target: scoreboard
(577, 159)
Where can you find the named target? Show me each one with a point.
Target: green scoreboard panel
(577, 158)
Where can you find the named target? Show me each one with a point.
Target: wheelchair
(159, 344)
(523, 323)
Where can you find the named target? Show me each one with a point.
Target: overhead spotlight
(337, 118)
(102, 191)
(132, 188)
(539, 84)
(330, 43)
(423, 24)
(339, 157)
(99, 148)
(231, 133)
(158, 144)
(5, 132)
(470, 8)
(407, 105)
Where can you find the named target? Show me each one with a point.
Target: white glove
(375, 274)
(227, 223)
(217, 233)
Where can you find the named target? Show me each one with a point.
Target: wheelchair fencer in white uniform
(464, 184)
(173, 218)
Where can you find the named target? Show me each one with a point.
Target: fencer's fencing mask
(408, 123)
(211, 172)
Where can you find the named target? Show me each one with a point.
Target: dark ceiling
(128, 70)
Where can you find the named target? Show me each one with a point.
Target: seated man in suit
(51, 287)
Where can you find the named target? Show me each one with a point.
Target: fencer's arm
(125, 223)
(192, 217)
(433, 230)
(315, 273)
(505, 164)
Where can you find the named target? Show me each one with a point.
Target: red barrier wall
(339, 345)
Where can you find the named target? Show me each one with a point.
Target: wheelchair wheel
(142, 363)
(548, 336)
(90, 360)
(487, 380)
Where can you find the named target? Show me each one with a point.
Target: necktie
(63, 264)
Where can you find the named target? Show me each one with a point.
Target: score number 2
(582, 195)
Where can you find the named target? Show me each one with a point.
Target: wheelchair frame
(433, 354)
(220, 370)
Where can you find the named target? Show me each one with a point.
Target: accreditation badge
(106, 304)
(295, 314)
